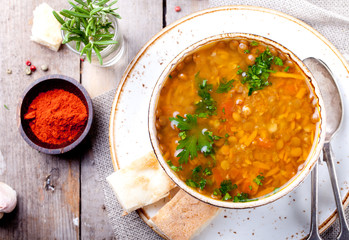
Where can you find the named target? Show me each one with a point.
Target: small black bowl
(45, 84)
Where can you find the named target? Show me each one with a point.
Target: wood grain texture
(40, 214)
(140, 21)
(187, 7)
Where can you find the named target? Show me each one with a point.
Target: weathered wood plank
(140, 21)
(187, 7)
(40, 214)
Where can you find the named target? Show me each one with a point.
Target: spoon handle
(329, 159)
(314, 227)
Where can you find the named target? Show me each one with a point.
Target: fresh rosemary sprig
(88, 24)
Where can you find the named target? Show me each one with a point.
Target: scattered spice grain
(44, 67)
(28, 71)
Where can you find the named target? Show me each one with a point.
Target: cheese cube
(46, 29)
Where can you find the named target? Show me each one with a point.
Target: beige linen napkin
(330, 18)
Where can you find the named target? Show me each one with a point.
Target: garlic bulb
(8, 199)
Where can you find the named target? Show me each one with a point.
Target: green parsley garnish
(250, 187)
(173, 167)
(226, 197)
(247, 51)
(286, 69)
(278, 61)
(254, 43)
(241, 197)
(207, 172)
(191, 183)
(5, 106)
(216, 192)
(226, 135)
(225, 86)
(223, 110)
(207, 105)
(227, 186)
(258, 180)
(192, 139)
(197, 180)
(239, 71)
(169, 76)
(257, 75)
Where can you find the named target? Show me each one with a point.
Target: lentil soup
(236, 119)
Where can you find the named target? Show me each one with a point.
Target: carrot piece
(265, 143)
(217, 175)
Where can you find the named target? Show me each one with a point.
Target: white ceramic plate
(286, 218)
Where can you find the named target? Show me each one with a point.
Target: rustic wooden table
(74, 210)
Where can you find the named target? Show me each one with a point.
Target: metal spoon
(314, 226)
(334, 116)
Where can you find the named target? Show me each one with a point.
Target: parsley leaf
(286, 69)
(173, 167)
(216, 192)
(191, 183)
(226, 197)
(241, 197)
(207, 172)
(257, 75)
(202, 183)
(192, 138)
(247, 51)
(239, 71)
(254, 43)
(207, 105)
(197, 180)
(278, 61)
(226, 186)
(5, 106)
(258, 180)
(225, 86)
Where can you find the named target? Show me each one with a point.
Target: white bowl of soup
(237, 120)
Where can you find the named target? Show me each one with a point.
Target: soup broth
(236, 119)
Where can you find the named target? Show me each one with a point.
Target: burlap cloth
(330, 18)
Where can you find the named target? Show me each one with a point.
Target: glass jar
(112, 53)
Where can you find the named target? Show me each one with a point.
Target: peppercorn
(28, 71)
(177, 8)
(44, 67)
(28, 63)
(32, 68)
(9, 71)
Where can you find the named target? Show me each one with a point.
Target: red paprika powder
(57, 116)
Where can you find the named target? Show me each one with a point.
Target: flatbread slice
(184, 217)
(141, 183)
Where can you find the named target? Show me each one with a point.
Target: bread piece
(46, 29)
(184, 217)
(141, 183)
